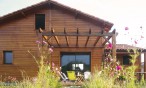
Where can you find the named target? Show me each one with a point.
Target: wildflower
(118, 67)
(53, 64)
(108, 59)
(44, 42)
(135, 42)
(126, 28)
(51, 50)
(47, 62)
(142, 36)
(38, 42)
(9, 77)
(13, 79)
(56, 69)
(110, 46)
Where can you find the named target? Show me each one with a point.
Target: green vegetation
(116, 76)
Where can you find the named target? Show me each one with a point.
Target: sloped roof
(125, 47)
(49, 3)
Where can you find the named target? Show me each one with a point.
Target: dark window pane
(75, 61)
(126, 60)
(8, 57)
(40, 21)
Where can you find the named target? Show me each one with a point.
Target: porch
(86, 40)
(76, 49)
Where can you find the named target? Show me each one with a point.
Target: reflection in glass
(8, 57)
(79, 62)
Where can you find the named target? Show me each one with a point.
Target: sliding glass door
(77, 61)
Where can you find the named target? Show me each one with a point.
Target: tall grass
(112, 77)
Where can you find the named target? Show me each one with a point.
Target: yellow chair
(71, 75)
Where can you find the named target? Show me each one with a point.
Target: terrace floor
(72, 84)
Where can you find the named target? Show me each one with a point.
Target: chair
(87, 75)
(71, 75)
(63, 76)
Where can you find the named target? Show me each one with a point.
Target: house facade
(78, 38)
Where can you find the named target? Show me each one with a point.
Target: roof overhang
(53, 4)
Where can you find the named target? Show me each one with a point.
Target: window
(40, 21)
(8, 57)
(78, 62)
(126, 60)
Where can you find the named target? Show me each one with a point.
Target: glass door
(77, 61)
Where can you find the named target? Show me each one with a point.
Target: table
(80, 78)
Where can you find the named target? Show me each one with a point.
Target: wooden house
(78, 38)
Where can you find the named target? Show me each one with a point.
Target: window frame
(76, 53)
(128, 57)
(36, 25)
(4, 58)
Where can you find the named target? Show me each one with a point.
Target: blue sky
(123, 13)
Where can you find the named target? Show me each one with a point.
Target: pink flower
(135, 42)
(110, 46)
(118, 67)
(38, 42)
(126, 28)
(108, 60)
(44, 42)
(51, 50)
(53, 64)
(142, 36)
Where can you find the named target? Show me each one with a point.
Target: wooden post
(144, 65)
(114, 45)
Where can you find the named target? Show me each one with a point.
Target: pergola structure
(47, 36)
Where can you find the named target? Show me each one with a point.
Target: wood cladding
(20, 35)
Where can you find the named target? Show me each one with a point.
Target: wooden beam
(107, 38)
(88, 38)
(97, 39)
(48, 40)
(66, 37)
(74, 46)
(114, 45)
(41, 30)
(145, 65)
(56, 38)
(45, 37)
(75, 34)
(77, 38)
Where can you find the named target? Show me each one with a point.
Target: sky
(128, 16)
